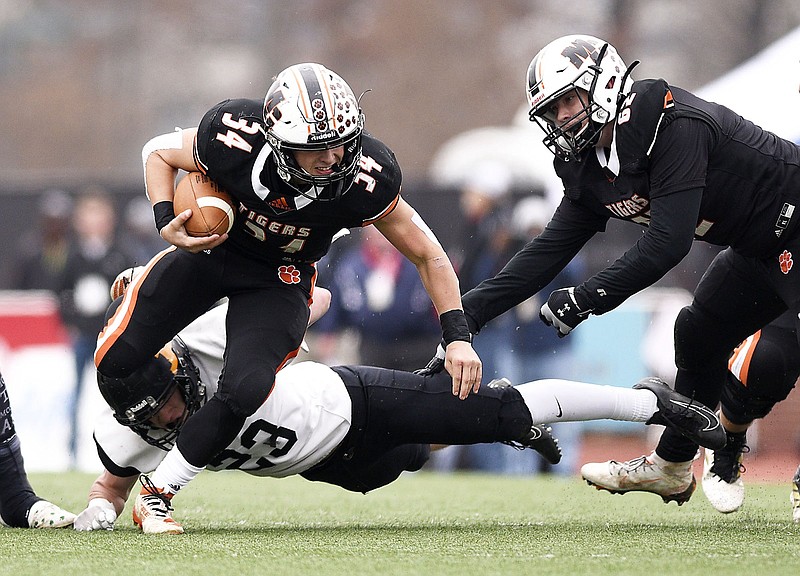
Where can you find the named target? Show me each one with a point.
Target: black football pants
(397, 415)
(735, 297)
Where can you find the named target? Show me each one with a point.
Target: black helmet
(135, 399)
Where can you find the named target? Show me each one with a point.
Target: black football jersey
(687, 169)
(271, 223)
(744, 173)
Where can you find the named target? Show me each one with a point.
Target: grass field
(432, 524)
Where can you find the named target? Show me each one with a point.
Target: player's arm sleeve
(533, 267)
(677, 169)
(382, 178)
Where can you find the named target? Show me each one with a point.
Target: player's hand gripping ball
(213, 209)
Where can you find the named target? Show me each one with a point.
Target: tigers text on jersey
(305, 418)
(273, 222)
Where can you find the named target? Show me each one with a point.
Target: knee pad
(741, 405)
(764, 378)
(244, 397)
(120, 361)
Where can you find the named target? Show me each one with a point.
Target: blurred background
(85, 83)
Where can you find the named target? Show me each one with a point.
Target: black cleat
(690, 418)
(541, 439)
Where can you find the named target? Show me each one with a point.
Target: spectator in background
(486, 240)
(42, 252)
(486, 244)
(140, 238)
(377, 292)
(93, 262)
(536, 352)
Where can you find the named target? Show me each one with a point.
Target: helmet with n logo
(587, 66)
(309, 107)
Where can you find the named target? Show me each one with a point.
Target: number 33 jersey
(305, 418)
(274, 223)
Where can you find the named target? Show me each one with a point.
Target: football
(213, 209)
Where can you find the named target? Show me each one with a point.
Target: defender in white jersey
(357, 427)
(310, 404)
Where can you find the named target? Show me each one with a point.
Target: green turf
(464, 524)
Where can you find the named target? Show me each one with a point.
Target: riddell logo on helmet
(137, 407)
(322, 136)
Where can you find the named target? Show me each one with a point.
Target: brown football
(213, 209)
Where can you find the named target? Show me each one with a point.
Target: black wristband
(164, 214)
(454, 327)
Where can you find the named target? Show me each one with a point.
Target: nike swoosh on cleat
(560, 412)
(700, 412)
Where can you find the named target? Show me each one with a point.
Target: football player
(685, 169)
(301, 168)
(356, 427)
(762, 371)
(20, 507)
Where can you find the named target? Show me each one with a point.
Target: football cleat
(673, 481)
(152, 510)
(44, 514)
(794, 498)
(541, 439)
(692, 419)
(123, 280)
(722, 475)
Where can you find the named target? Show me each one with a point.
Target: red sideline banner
(30, 318)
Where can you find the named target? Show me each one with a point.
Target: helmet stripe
(311, 90)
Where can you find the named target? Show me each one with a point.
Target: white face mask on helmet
(309, 108)
(592, 68)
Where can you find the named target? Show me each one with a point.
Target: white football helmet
(309, 107)
(593, 69)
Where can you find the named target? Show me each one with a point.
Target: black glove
(563, 312)
(435, 364)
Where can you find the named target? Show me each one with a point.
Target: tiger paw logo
(289, 274)
(786, 261)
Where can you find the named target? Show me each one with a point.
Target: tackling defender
(357, 427)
